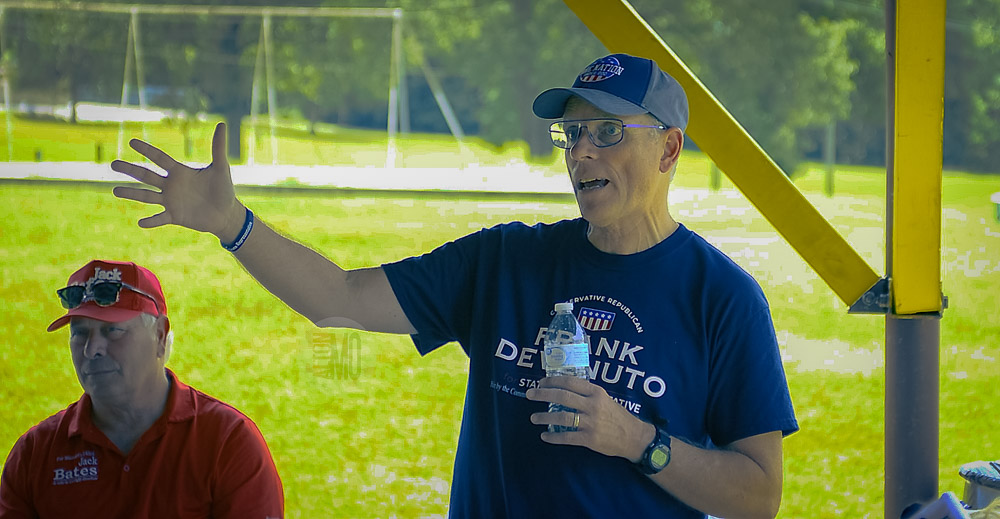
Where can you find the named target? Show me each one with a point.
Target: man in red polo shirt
(138, 443)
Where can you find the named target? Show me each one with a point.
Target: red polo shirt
(201, 458)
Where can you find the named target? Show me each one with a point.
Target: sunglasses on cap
(104, 293)
(603, 132)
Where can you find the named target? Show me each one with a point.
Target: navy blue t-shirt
(677, 332)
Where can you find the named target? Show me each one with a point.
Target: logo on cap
(113, 275)
(604, 68)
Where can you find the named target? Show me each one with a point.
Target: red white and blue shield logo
(604, 68)
(595, 320)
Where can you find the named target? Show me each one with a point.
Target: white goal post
(263, 74)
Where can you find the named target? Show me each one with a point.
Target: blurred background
(381, 132)
(793, 72)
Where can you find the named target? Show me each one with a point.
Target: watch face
(659, 457)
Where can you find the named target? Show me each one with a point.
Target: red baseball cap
(130, 302)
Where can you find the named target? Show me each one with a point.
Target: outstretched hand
(200, 199)
(604, 425)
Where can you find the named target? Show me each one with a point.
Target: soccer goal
(260, 57)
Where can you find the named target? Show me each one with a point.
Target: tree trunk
(342, 113)
(233, 121)
(227, 92)
(72, 96)
(533, 130)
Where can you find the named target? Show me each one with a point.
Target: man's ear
(162, 325)
(672, 146)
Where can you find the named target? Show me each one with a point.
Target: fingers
(577, 438)
(563, 418)
(139, 173)
(155, 221)
(219, 145)
(557, 396)
(148, 197)
(582, 436)
(154, 154)
(577, 385)
(139, 195)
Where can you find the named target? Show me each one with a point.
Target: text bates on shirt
(75, 468)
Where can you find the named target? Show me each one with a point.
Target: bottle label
(566, 356)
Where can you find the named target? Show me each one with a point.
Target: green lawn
(378, 439)
(55, 141)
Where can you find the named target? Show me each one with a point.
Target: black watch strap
(657, 454)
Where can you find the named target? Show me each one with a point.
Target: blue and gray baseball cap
(621, 84)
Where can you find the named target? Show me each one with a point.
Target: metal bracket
(877, 300)
(874, 301)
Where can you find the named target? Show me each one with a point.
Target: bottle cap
(564, 307)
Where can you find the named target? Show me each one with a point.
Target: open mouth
(596, 183)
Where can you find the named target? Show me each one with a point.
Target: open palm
(199, 199)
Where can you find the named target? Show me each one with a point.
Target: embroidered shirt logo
(604, 68)
(595, 320)
(81, 466)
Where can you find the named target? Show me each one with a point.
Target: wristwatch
(657, 455)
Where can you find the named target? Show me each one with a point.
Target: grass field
(56, 141)
(377, 439)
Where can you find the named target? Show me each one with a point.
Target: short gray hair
(150, 321)
(652, 120)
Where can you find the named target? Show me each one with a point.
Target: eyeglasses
(603, 132)
(104, 293)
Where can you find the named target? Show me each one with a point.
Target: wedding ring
(576, 420)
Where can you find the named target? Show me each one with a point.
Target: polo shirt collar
(181, 402)
(180, 407)
(78, 415)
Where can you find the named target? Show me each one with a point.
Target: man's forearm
(314, 286)
(726, 482)
(302, 278)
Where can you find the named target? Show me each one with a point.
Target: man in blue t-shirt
(686, 404)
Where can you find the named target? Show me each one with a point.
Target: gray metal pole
(911, 411)
(912, 356)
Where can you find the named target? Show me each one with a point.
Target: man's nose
(96, 346)
(584, 145)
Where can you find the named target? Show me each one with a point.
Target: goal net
(276, 74)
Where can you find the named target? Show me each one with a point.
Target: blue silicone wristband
(244, 233)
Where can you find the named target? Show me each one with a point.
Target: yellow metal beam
(621, 29)
(916, 207)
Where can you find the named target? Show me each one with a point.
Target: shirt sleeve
(246, 481)
(15, 493)
(435, 291)
(748, 389)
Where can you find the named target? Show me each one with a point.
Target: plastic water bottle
(566, 353)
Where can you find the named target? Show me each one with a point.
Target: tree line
(788, 70)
